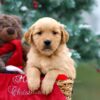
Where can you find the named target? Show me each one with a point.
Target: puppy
(48, 54)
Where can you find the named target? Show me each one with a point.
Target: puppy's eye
(39, 33)
(55, 32)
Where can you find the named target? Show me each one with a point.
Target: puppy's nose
(47, 42)
(10, 31)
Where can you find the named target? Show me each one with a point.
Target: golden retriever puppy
(48, 54)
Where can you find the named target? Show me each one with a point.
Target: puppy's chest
(46, 65)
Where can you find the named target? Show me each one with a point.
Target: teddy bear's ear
(17, 22)
(18, 19)
(64, 34)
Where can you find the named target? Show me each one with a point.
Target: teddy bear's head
(10, 27)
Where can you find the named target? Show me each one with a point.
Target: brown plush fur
(10, 29)
(11, 22)
(50, 60)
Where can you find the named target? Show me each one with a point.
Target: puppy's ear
(28, 35)
(64, 34)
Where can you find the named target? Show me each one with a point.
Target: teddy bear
(12, 51)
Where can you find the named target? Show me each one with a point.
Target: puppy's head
(47, 35)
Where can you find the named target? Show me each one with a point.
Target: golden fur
(50, 61)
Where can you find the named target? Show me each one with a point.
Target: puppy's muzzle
(47, 43)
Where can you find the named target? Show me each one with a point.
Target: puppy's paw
(46, 87)
(33, 85)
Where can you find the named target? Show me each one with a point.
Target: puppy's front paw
(46, 87)
(34, 84)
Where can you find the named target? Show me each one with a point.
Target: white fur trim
(14, 69)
